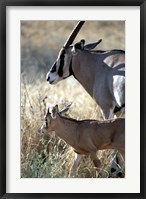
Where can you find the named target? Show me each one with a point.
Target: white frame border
(17, 185)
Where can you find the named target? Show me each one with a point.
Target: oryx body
(101, 73)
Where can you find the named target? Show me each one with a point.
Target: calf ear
(65, 109)
(79, 46)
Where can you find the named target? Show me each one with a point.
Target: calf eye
(46, 122)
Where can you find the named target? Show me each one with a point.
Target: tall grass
(48, 156)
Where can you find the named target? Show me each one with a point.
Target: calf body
(86, 136)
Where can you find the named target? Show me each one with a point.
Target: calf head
(49, 120)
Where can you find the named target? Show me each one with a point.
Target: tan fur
(87, 136)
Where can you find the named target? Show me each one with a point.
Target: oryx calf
(101, 73)
(86, 136)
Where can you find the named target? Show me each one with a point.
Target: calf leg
(77, 159)
(95, 160)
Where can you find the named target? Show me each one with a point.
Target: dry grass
(41, 41)
(48, 156)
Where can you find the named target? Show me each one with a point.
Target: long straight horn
(73, 34)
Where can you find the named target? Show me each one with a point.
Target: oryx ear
(54, 111)
(79, 46)
(92, 45)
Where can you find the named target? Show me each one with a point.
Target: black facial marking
(62, 56)
(71, 71)
(53, 68)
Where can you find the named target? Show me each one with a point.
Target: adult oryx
(101, 73)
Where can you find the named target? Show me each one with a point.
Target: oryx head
(57, 71)
(62, 67)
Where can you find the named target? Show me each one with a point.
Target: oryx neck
(84, 71)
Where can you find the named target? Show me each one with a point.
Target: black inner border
(3, 6)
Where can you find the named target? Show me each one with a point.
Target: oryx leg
(121, 158)
(107, 113)
(117, 166)
(76, 162)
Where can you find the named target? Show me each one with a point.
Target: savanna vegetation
(47, 156)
